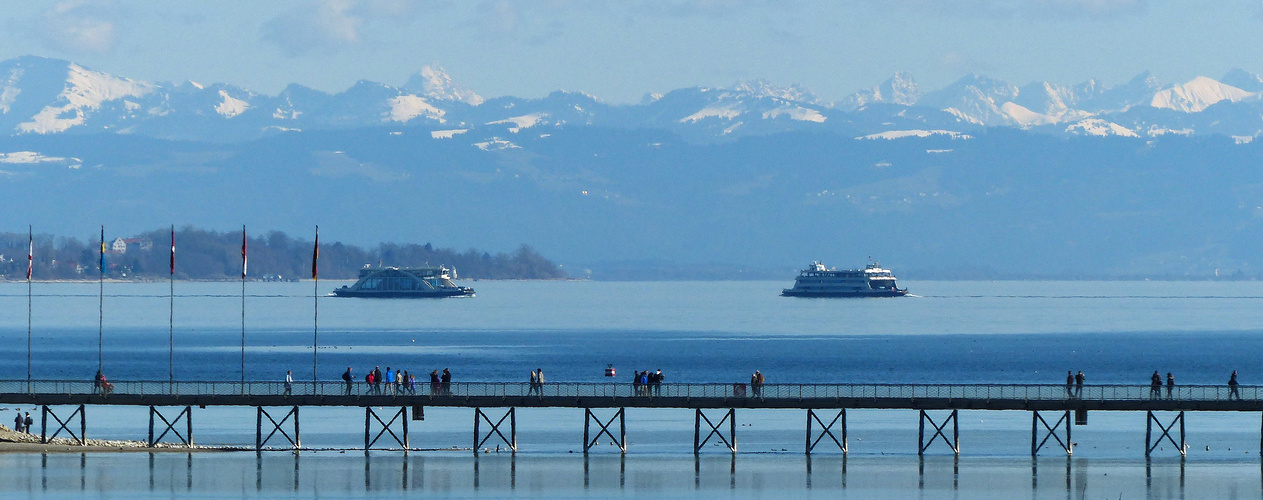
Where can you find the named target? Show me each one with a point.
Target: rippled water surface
(950, 332)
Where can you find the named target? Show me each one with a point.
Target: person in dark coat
(1232, 387)
(1069, 383)
(1155, 385)
(1170, 384)
(447, 382)
(17, 422)
(1078, 384)
(26, 424)
(346, 376)
(435, 385)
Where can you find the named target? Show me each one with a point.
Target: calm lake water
(950, 332)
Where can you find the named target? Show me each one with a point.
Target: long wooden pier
(722, 401)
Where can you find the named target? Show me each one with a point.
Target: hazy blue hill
(1005, 203)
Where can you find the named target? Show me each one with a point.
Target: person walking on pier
(447, 382)
(289, 382)
(346, 376)
(377, 379)
(368, 381)
(1069, 383)
(539, 381)
(390, 380)
(1078, 384)
(435, 385)
(1170, 384)
(657, 383)
(534, 383)
(1155, 385)
(1232, 387)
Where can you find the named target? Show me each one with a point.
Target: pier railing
(1019, 392)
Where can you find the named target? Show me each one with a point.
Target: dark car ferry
(405, 282)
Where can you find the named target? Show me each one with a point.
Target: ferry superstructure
(818, 281)
(404, 282)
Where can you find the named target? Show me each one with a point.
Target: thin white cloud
(315, 25)
(78, 26)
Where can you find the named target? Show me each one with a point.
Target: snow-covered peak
(85, 90)
(899, 89)
(434, 82)
(1100, 128)
(1196, 95)
(975, 97)
(764, 88)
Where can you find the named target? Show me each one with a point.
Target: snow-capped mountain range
(49, 96)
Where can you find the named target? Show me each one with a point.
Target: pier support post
(620, 440)
(827, 430)
(730, 440)
(1050, 432)
(953, 443)
(1151, 444)
(386, 427)
(480, 439)
(295, 442)
(186, 439)
(63, 425)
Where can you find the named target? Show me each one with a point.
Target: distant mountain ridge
(48, 96)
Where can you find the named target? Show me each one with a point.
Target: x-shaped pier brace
(1151, 445)
(826, 430)
(730, 441)
(387, 427)
(186, 414)
(620, 439)
(1051, 432)
(480, 439)
(953, 443)
(259, 440)
(81, 437)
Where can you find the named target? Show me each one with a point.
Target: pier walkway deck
(623, 395)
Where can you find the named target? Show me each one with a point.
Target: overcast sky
(621, 50)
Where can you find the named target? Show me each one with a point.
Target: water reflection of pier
(394, 471)
(715, 408)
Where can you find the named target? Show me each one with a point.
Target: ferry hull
(802, 293)
(435, 294)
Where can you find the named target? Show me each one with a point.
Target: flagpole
(100, 333)
(315, 307)
(30, 263)
(171, 316)
(243, 309)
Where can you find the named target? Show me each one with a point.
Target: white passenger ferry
(817, 281)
